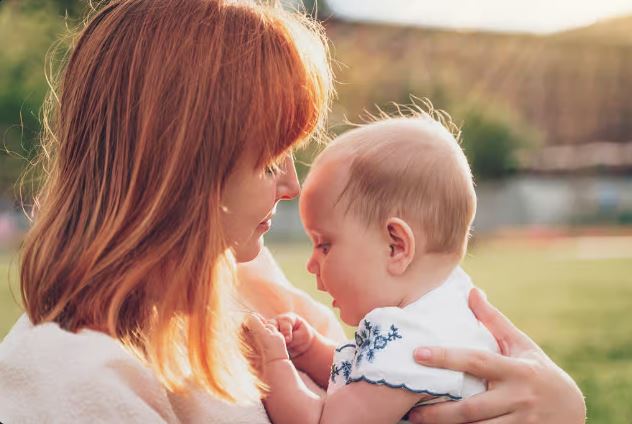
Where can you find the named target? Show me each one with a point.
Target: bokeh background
(543, 93)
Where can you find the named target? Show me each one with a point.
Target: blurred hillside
(534, 103)
(611, 31)
(572, 88)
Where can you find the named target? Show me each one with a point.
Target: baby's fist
(298, 333)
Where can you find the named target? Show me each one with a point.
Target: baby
(388, 207)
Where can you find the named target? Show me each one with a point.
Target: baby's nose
(312, 265)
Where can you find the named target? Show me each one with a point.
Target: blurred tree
(71, 8)
(318, 8)
(28, 28)
(491, 142)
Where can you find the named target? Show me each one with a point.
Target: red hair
(155, 106)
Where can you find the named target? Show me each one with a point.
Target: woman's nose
(287, 184)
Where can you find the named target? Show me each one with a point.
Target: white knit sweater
(48, 375)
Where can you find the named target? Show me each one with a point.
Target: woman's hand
(298, 334)
(524, 386)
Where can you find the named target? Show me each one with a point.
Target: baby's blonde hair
(410, 166)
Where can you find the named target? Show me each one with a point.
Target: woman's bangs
(297, 91)
(290, 116)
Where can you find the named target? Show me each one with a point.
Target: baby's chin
(349, 320)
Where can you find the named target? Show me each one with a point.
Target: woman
(168, 146)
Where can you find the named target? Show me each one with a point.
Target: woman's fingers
(474, 409)
(510, 339)
(483, 364)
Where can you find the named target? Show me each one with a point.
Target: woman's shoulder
(44, 368)
(48, 349)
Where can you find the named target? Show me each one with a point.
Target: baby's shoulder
(442, 317)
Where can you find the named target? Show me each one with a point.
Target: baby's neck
(425, 274)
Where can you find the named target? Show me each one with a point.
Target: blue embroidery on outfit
(341, 348)
(404, 386)
(369, 340)
(345, 368)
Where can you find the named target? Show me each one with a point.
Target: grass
(572, 301)
(572, 296)
(9, 291)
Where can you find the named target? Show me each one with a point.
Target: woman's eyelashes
(272, 170)
(277, 167)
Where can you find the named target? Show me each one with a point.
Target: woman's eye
(271, 170)
(323, 247)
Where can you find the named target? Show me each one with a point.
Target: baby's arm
(289, 400)
(368, 403)
(310, 351)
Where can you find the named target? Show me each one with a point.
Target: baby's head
(382, 204)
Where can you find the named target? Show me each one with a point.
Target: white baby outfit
(386, 337)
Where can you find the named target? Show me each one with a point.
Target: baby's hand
(298, 333)
(267, 340)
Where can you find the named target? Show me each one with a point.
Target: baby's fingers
(262, 331)
(285, 327)
(255, 326)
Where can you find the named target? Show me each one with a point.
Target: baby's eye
(323, 247)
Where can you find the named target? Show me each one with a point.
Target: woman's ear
(401, 245)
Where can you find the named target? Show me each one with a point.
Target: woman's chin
(249, 251)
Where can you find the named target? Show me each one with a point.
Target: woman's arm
(524, 386)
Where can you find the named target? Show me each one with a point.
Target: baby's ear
(401, 244)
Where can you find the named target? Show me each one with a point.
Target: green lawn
(9, 291)
(573, 296)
